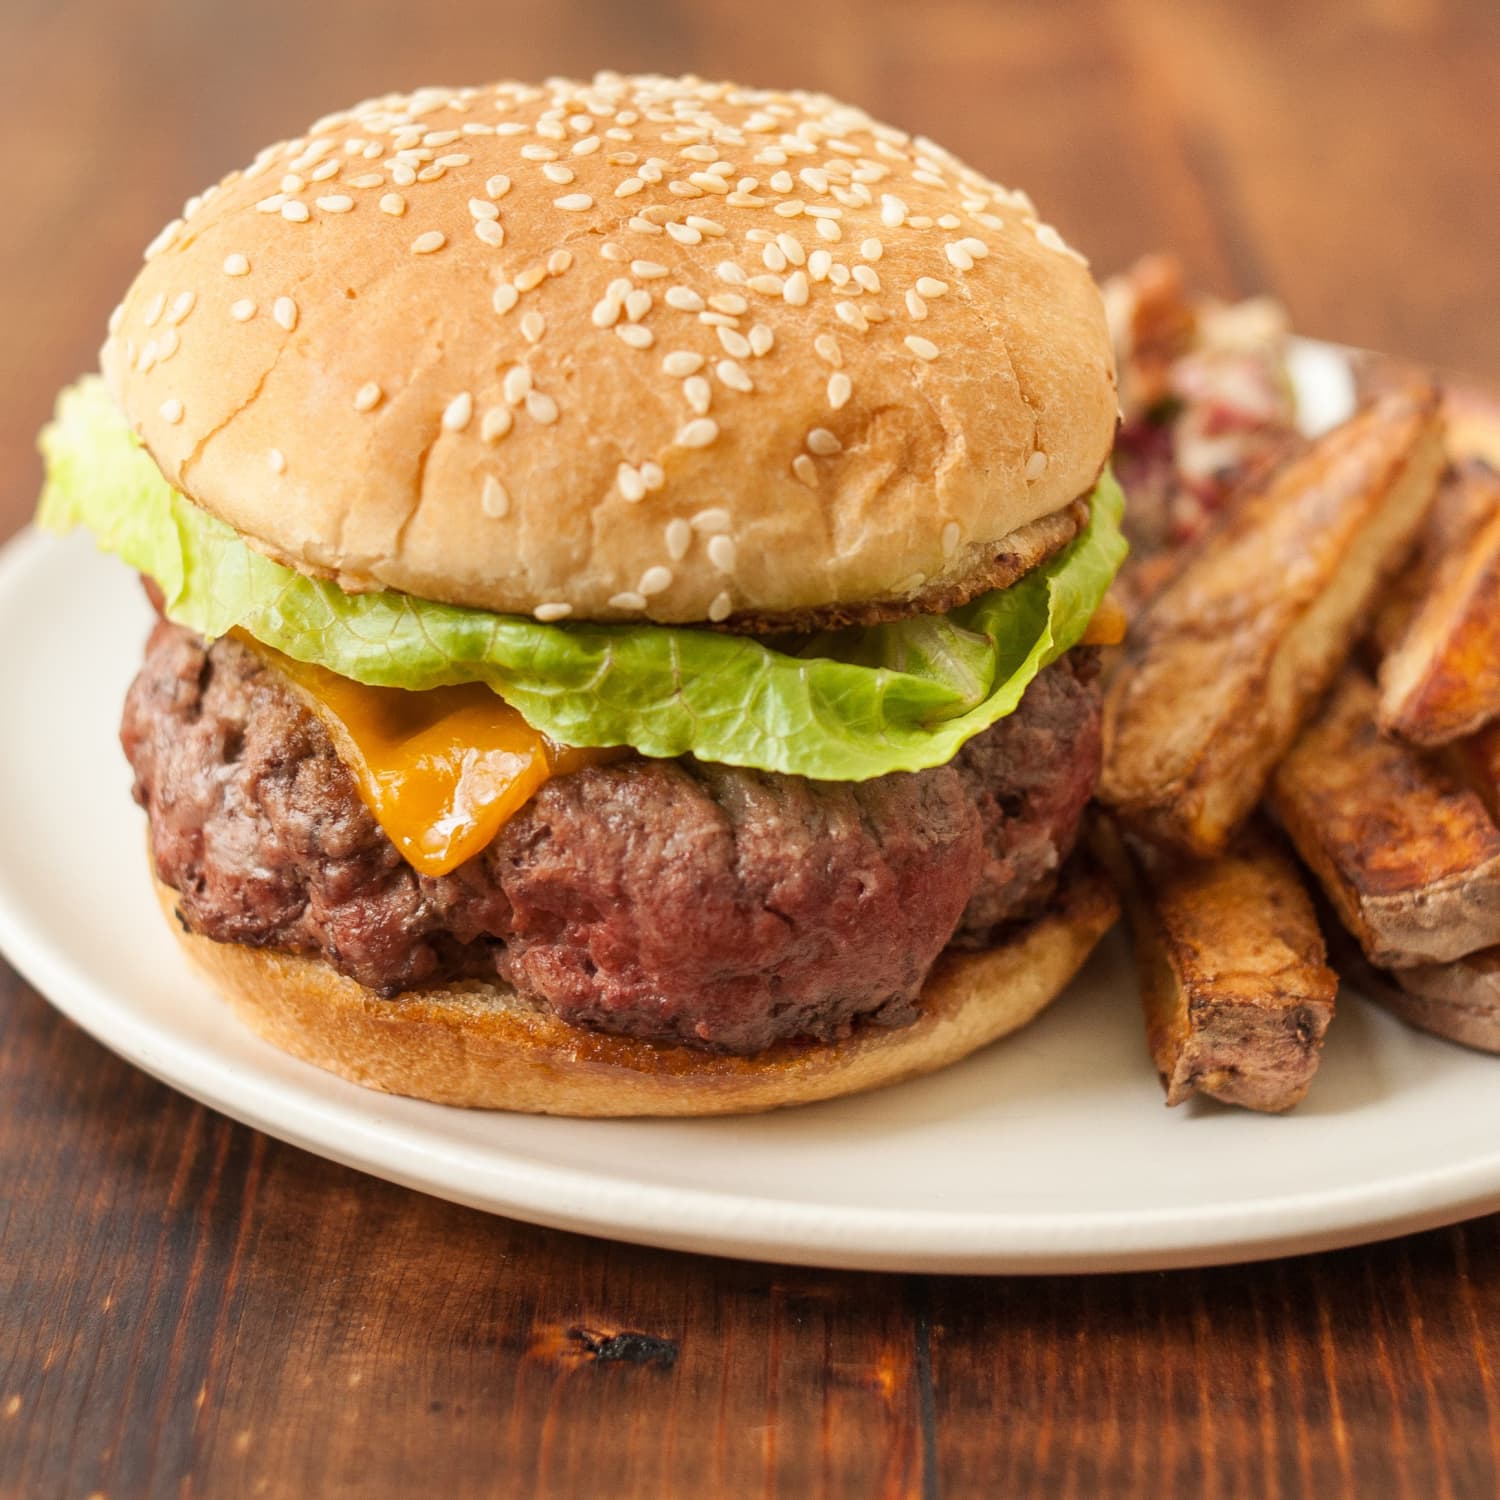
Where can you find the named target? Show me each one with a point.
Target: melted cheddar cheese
(441, 770)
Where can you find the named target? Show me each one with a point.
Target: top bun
(641, 348)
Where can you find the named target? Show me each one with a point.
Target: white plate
(1050, 1152)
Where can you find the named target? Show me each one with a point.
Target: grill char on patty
(673, 901)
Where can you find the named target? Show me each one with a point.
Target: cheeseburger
(626, 555)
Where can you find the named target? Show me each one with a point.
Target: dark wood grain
(188, 1308)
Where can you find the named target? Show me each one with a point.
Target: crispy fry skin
(1466, 499)
(1234, 981)
(1441, 680)
(1237, 650)
(1405, 852)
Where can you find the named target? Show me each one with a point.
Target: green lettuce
(851, 705)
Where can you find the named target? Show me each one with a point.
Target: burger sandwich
(626, 554)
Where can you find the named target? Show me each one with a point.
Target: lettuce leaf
(853, 704)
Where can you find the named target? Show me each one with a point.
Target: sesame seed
(494, 498)
(182, 305)
(867, 277)
(655, 580)
(367, 180)
(587, 146)
(950, 538)
(766, 285)
(1036, 465)
(733, 375)
(851, 315)
(482, 208)
(284, 310)
(682, 362)
(637, 335)
(805, 470)
(516, 384)
(495, 423)
(698, 433)
(546, 613)
(958, 257)
(336, 203)
(631, 486)
(293, 183)
(454, 159)
(534, 152)
(819, 263)
(555, 172)
(531, 278)
(573, 203)
(637, 304)
(827, 349)
(893, 211)
(684, 299)
(426, 243)
(730, 273)
(504, 297)
(949, 221)
(393, 204)
(276, 460)
(648, 270)
(840, 388)
(243, 310)
(734, 343)
(401, 174)
(823, 442)
(457, 413)
(698, 394)
(679, 538)
(606, 312)
(684, 234)
(930, 286)
(498, 185)
(627, 601)
(761, 340)
(367, 397)
(922, 348)
(729, 302)
(236, 265)
(712, 520)
(559, 261)
(153, 309)
(916, 306)
(490, 232)
(720, 608)
(533, 326)
(795, 290)
(295, 211)
(872, 248)
(171, 410)
(629, 187)
(722, 552)
(541, 408)
(271, 205)
(977, 248)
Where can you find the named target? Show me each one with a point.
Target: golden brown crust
(479, 1045)
(871, 405)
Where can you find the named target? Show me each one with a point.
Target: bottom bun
(479, 1044)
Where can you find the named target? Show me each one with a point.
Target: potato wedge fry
(1243, 643)
(1458, 1001)
(1466, 499)
(1441, 680)
(1234, 980)
(1473, 418)
(1405, 852)
(1478, 762)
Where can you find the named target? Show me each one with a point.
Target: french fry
(1458, 1001)
(1405, 852)
(1243, 643)
(1466, 499)
(1441, 679)
(1234, 980)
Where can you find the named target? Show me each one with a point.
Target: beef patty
(674, 901)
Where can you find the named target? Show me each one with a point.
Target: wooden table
(190, 1308)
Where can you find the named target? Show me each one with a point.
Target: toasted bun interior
(482, 1046)
(635, 348)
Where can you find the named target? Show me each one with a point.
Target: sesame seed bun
(481, 1045)
(641, 348)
